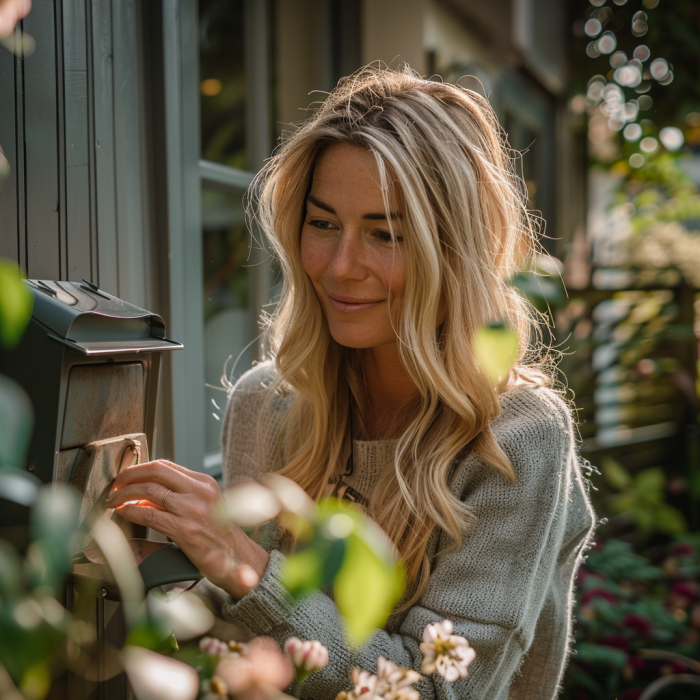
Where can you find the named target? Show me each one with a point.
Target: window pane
(223, 88)
(228, 298)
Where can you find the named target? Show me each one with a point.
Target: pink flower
(306, 656)
(686, 590)
(258, 674)
(213, 647)
(638, 624)
(615, 640)
(683, 549)
(445, 653)
(588, 596)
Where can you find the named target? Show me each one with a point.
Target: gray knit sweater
(508, 589)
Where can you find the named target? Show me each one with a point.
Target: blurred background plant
(630, 342)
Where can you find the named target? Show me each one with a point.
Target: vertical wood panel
(9, 238)
(41, 146)
(77, 172)
(105, 183)
(128, 128)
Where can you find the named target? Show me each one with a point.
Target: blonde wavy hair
(443, 157)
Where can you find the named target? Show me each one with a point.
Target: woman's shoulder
(533, 408)
(257, 379)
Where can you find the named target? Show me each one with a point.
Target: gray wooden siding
(72, 127)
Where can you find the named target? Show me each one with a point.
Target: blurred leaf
(249, 504)
(18, 486)
(16, 421)
(650, 482)
(54, 526)
(153, 633)
(540, 289)
(670, 520)
(366, 589)
(157, 677)
(8, 690)
(186, 614)
(117, 552)
(36, 682)
(595, 654)
(615, 473)
(16, 303)
(10, 572)
(303, 572)
(496, 349)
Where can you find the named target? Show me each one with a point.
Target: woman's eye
(320, 224)
(386, 237)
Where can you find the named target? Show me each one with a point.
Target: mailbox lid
(95, 322)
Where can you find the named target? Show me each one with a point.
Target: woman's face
(347, 249)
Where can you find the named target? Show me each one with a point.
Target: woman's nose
(346, 262)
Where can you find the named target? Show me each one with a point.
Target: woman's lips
(347, 307)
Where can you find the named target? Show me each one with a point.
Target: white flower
(444, 652)
(393, 682)
(365, 686)
(307, 656)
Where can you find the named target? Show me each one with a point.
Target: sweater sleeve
(493, 587)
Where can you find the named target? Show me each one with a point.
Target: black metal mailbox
(90, 363)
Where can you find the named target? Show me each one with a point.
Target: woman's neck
(389, 390)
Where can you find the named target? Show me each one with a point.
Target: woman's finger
(158, 472)
(160, 496)
(157, 519)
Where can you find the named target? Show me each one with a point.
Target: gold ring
(164, 497)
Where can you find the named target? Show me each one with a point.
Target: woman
(397, 219)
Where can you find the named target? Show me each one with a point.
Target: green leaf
(598, 654)
(16, 303)
(16, 422)
(615, 473)
(366, 589)
(670, 520)
(10, 572)
(650, 482)
(496, 349)
(302, 572)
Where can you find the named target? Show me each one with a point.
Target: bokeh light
(607, 42)
(659, 68)
(671, 137)
(211, 87)
(648, 144)
(636, 160)
(632, 132)
(618, 59)
(642, 53)
(592, 50)
(629, 76)
(645, 102)
(593, 27)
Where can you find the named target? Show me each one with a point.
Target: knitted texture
(508, 589)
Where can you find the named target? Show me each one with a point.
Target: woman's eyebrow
(371, 217)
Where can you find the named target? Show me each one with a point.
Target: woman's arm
(493, 588)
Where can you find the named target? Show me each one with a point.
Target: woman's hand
(187, 507)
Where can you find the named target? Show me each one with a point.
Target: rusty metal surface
(103, 401)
